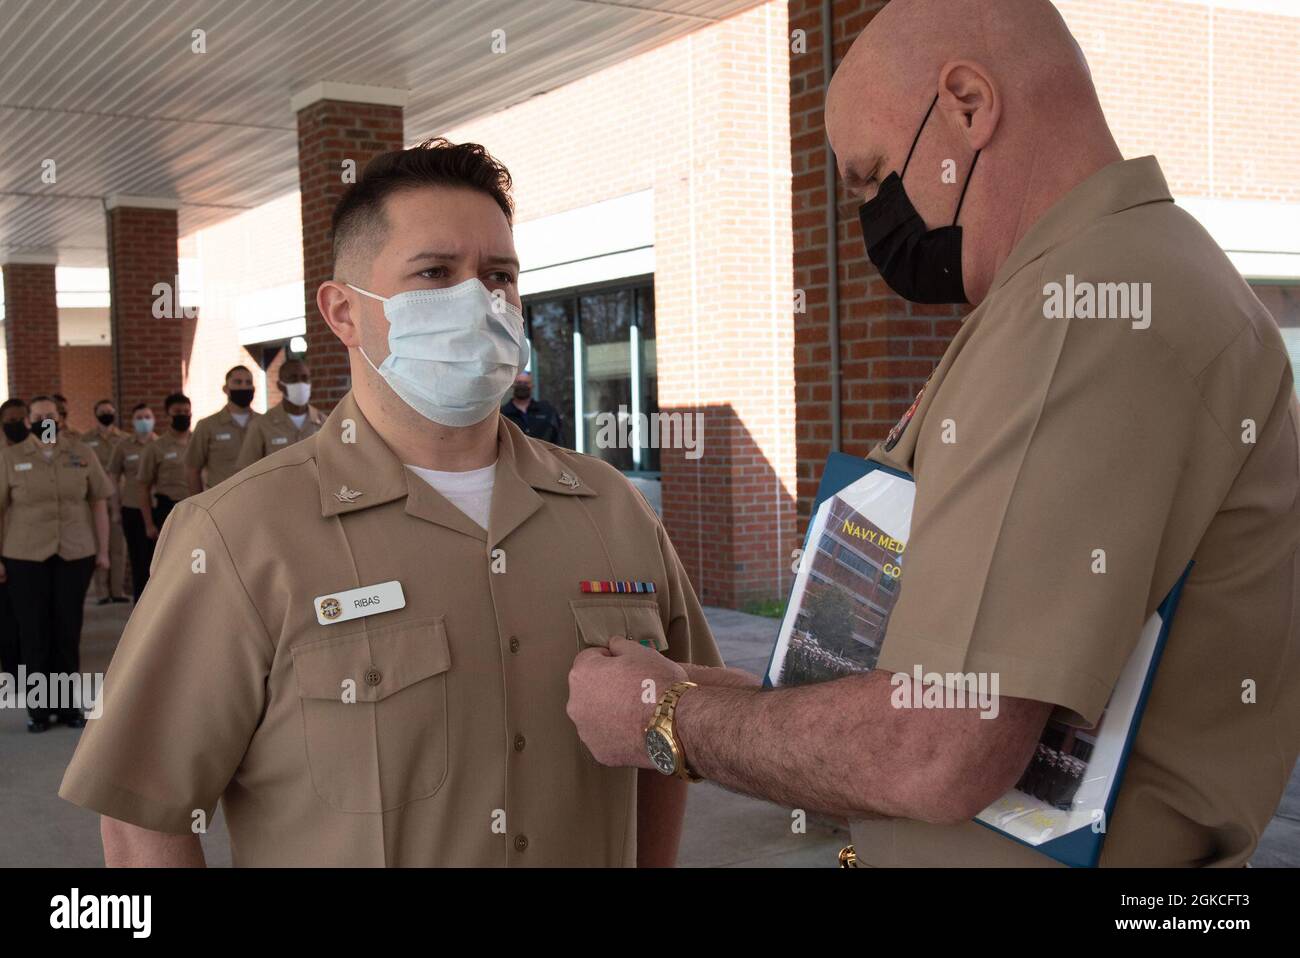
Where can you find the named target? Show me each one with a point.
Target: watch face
(660, 751)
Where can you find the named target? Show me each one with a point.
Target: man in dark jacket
(536, 417)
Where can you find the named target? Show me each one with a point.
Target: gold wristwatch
(661, 742)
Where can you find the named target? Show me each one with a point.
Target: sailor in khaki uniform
(102, 440)
(124, 471)
(1118, 406)
(289, 421)
(53, 509)
(213, 452)
(394, 695)
(163, 472)
(363, 652)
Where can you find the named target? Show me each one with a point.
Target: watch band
(663, 720)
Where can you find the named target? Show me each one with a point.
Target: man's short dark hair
(14, 403)
(103, 402)
(173, 399)
(235, 369)
(140, 405)
(358, 224)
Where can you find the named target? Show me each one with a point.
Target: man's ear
(335, 305)
(969, 100)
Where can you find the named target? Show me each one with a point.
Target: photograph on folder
(847, 582)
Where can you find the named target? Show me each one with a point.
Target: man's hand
(612, 697)
(150, 530)
(101, 560)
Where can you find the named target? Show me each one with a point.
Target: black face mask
(106, 418)
(242, 398)
(16, 431)
(523, 392)
(180, 423)
(920, 265)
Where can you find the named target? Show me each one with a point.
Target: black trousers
(162, 510)
(139, 548)
(48, 599)
(8, 633)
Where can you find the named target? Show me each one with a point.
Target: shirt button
(373, 677)
(514, 643)
(520, 742)
(521, 842)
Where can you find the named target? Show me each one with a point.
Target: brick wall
(704, 122)
(148, 353)
(87, 378)
(1205, 90)
(31, 329)
(329, 132)
(1208, 91)
(887, 346)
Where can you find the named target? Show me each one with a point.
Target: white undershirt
(470, 492)
(298, 420)
(241, 418)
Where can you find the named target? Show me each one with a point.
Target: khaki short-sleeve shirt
(273, 669)
(46, 499)
(1068, 470)
(215, 444)
(124, 468)
(275, 431)
(162, 465)
(103, 445)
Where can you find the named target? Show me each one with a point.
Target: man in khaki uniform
(102, 440)
(285, 423)
(53, 535)
(360, 643)
(124, 472)
(1069, 462)
(163, 470)
(213, 451)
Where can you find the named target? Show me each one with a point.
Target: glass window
(610, 330)
(605, 320)
(550, 329)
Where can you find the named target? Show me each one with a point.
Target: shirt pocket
(599, 620)
(374, 711)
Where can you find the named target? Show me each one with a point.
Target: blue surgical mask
(453, 353)
(143, 426)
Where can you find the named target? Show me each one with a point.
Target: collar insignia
(347, 495)
(570, 480)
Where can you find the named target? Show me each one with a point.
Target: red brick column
(148, 327)
(336, 123)
(723, 312)
(31, 328)
(888, 347)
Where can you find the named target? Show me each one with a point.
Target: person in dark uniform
(536, 417)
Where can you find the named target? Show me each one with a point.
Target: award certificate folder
(847, 582)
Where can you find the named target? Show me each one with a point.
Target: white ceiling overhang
(114, 95)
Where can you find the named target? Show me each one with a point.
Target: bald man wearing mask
(1165, 436)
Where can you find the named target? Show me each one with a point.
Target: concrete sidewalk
(722, 828)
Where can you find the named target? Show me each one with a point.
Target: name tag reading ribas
(355, 603)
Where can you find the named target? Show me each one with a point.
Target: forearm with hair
(842, 748)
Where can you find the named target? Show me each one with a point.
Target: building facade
(699, 304)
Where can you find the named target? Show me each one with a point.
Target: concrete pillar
(341, 127)
(31, 325)
(148, 327)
